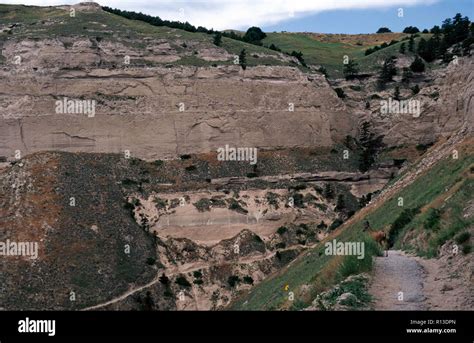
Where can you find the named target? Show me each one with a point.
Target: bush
(248, 280)
(415, 89)
(462, 237)
(164, 279)
(340, 93)
(335, 224)
(233, 280)
(432, 220)
(150, 261)
(254, 35)
(281, 230)
(160, 203)
(203, 204)
(218, 39)
(182, 281)
(340, 204)
(234, 205)
(417, 66)
(411, 29)
(383, 30)
(404, 218)
(466, 249)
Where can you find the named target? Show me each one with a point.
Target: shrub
(462, 237)
(182, 281)
(403, 219)
(203, 204)
(383, 30)
(335, 224)
(164, 279)
(432, 220)
(248, 280)
(340, 204)
(234, 205)
(150, 260)
(415, 89)
(281, 230)
(417, 66)
(340, 93)
(411, 29)
(160, 203)
(233, 280)
(218, 39)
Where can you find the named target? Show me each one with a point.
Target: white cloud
(235, 14)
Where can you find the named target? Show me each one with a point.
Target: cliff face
(446, 101)
(165, 112)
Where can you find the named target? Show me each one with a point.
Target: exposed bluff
(138, 109)
(447, 105)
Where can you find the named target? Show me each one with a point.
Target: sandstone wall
(138, 109)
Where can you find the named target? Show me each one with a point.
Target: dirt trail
(394, 274)
(443, 283)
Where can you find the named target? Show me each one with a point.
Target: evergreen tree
(243, 59)
(417, 66)
(411, 29)
(387, 72)
(328, 191)
(340, 203)
(351, 69)
(402, 48)
(254, 35)
(218, 39)
(383, 30)
(370, 145)
(411, 43)
(396, 94)
(406, 75)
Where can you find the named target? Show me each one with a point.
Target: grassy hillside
(53, 22)
(450, 188)
(329, 50)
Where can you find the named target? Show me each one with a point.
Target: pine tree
(387, 72)
(417, 66)
(406, 75)
(402, 48)
(396, 94)
(243, 59)
(411, 43)
(351, 69)
(370, 144)
(218, 39)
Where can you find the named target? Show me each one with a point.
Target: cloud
(236, 14)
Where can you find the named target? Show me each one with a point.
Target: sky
(325, 16)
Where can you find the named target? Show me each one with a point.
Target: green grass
(331, 54)
(131, 33)
(321, 271)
